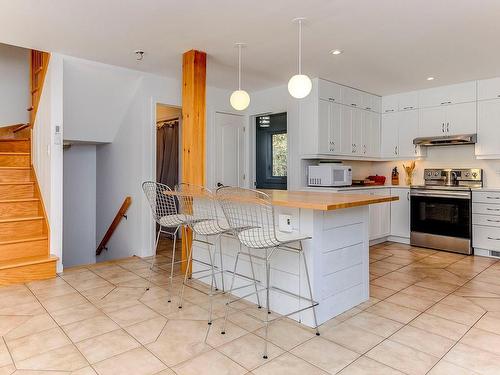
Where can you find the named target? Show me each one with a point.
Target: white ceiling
(390, 45)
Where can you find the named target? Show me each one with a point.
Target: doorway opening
(168, 132)
(271, 151)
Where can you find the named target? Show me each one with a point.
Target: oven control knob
(467, 174)
(436, 173)
(474, 174)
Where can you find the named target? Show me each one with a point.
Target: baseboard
(397, 239)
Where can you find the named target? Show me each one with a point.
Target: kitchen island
(337, 253)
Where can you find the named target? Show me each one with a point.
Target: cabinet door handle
(493, 197)
(492, 209)
(408, 196)
(445, 103)
(493, 221)
(447, 127)
(493, 238)
(389, 110)
(364, 149)
(442, 127)
(331, 99)
(408, 108)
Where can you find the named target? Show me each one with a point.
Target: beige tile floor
(429, 313)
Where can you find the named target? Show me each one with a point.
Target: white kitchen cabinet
(329, 118)
(488, 89)
(352, 97)
(400, 213)
(407, 132)
(370, 102)
(371, 134)
(488, 128)
(380, 216)
(357, 131)
(445, 95)
(390, 103)
(448, 120)
(389, 134)
(408, 101)
(351, 131)
(329, 91)
(486, 223)
(461, 119)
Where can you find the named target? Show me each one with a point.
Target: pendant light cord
(239, 66)
(300, 46)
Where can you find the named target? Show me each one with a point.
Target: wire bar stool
(166, 215)
(250, 215)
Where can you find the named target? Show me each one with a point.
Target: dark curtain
(167, 155)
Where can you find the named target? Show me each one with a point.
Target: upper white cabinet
(488, 89)
(488, 129)
(329, 91)
(390, 137)
(448, 120)
(390, 103)
(445, 95)
(408, 101)
(399, 129)
(330, 126)
(352, 97)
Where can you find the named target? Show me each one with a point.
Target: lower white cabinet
(380, 214)
(400, 213)
(486, 223)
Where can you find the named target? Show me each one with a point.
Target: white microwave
(330, 175)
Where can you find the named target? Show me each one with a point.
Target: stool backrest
(162, 205)
(200, 206)
(250, 215)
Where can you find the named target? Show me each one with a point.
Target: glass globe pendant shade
(299, 86)
(239, 100)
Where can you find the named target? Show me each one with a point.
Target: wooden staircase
(24, 231)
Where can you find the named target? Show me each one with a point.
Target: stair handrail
(116, 221)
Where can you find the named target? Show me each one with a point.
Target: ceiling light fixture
(239, 98)
(430, 78)
(300, 85)
(336, 51)
(139, 55)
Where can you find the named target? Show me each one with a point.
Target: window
(279, 152)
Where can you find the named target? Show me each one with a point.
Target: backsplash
(443, 157)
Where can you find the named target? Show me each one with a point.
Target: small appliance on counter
(441, 210)
(377, 180)
(330, 175)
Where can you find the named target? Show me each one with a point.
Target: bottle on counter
(395, 176)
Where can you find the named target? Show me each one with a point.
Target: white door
(229, 150)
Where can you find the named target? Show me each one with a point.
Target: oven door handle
(458, 195)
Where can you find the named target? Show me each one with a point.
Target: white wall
(14, 85)
(47, 155)
(79, 205)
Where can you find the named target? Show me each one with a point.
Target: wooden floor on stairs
(24, 236)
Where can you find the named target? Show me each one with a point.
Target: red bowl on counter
(379, 180)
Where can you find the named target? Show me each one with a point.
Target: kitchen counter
(337, 253)
(323, 201)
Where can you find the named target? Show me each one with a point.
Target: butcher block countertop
(323, 201)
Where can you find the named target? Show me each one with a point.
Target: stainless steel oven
(441, 210)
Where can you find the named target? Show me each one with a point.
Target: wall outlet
(285, 223)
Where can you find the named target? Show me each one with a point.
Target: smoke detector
(139, 55)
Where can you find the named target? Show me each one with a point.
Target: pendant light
(239, 98)
(300, 85)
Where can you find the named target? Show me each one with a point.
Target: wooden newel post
(194, 64)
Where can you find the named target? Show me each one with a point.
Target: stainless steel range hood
(464, 139)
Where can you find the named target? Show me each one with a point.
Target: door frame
(252, 134)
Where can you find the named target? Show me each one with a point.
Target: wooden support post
(194, 65)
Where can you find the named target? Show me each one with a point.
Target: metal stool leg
(212, 282)
(172, 267)
(153, 260)
(268, 280)
(219, 240)
(310, 290)
(226, 313)
(254, 278)
(190, 256)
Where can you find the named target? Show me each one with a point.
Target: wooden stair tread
(15, 219)
(17, 183)
(27, 239)
(19, 200)
(20, 262)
